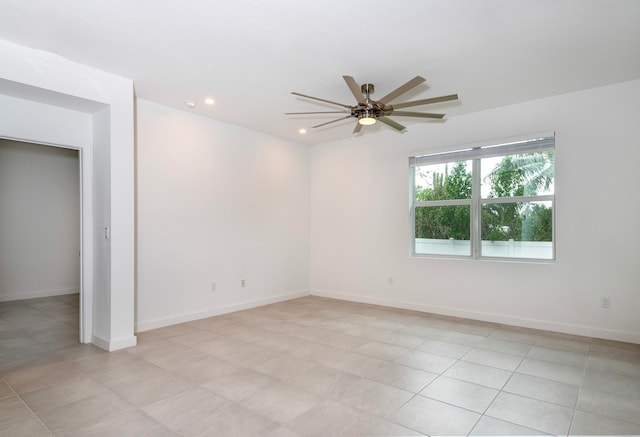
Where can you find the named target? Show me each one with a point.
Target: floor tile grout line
(34, 414)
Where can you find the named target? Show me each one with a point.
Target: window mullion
(475, 209)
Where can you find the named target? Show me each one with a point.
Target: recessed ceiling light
(303, 131)
(190, 104)
(209, 101)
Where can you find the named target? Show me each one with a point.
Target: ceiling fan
(369, 111)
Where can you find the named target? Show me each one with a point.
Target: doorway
(40, 255)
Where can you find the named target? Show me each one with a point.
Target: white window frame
(532, 143)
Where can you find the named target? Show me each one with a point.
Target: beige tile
(71, 390)
(554, 371)
(220, 346)
(479, 374)
(148, 388)
(282, 342)
(319, 353)
(323, 381)
(433, 417)
(230, 421)
(612, 383)
(403, 377)
(363, 427)
(499, 360)
(280, 402)
(517, 334)
(77, 352)
(374, 398)
(611, 405)
(179, 411)
(508, 347)
(248, 355)
(451, 350)
(383, 351)
(33, 378)
(531, 413)
(343, 341)
(426, 361)
(202, 371)
(11, 408)
(574, 344)
(328, 418)
(358, 365)
(619, 367)
(397, 338)
(593, 424)
(28, 426)
(238, 384)
(193, 338)
(129, 423)
(83, 413)
(390, 429)
(558, 356)
(460, 338)
(283, 431)
(460, 393)
(543, 389)
(168, 355)
(617, 352)
(489, 426)
(5, 390)
(122, 372)
(420, 331)
(283, 367)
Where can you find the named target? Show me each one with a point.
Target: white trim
(114, 345)
(182, 318)
(566, 328)
(36, 294)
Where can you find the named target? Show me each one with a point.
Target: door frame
(86, 232)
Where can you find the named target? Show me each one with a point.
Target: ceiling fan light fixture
(366, 119)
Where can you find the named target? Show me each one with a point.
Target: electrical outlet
(605, 302)
(242, 283)
(213, 286)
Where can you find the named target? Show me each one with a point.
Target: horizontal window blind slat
(528, 146)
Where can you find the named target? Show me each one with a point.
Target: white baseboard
(36, 294)
(114, 345)
(566, 328)
(182, 318)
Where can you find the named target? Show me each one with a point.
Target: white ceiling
(250, 54)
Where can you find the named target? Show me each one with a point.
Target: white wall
(39, 221)
(359, 190)
(216, 203)
(37, 88)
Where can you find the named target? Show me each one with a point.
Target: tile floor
(313, 367)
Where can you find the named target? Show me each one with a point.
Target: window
(485, 202)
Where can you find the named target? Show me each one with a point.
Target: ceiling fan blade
(391, 123)
(332, 121)
(357, 128)
(316, 112)
(321, 100)
(402, 89)
(416, 114)
(426, 101)
(355, 89)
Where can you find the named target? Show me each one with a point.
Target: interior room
(319, 219)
